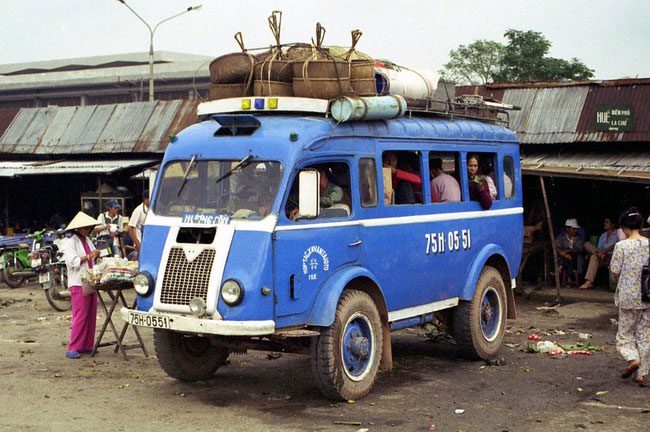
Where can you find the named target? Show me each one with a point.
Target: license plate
(145, 320)
(43, 277)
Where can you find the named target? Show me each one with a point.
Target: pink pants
(84, 320)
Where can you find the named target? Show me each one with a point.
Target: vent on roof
(236, 125)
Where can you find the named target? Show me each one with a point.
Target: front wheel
(479, 324)
(57, 293)
(345, 357)
(187, 358)
(11, 266)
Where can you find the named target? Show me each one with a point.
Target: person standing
(111, 226)
(136, 221)
(79, 254)
(601, 254)
(633, 336)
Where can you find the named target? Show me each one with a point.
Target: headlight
(143, 283)
(232, 292)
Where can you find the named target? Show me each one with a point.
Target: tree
(476, 63)
(524, 59)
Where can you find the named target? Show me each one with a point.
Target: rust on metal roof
(140, 127)
(624, 165)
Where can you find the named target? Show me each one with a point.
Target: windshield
(242, 189)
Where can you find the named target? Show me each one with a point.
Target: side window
(367, 182)
(480, 171)
(334, 191)
(508, 177)
(444, 176)
(402, 177)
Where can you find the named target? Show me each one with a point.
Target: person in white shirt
(79, 254)
(136, 221)
(111, 226)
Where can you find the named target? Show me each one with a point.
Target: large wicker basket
(232, 68)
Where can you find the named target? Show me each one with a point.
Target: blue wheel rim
(357, 347)
(490, 314)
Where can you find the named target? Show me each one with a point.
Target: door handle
(356, 243)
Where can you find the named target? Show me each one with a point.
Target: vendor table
(114, 291)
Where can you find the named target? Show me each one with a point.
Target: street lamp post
(151, 33)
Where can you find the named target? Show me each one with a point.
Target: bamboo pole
(550, 234)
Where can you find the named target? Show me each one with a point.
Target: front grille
(185, 280)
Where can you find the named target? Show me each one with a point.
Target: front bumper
(192, 324)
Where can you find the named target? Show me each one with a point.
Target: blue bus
(286, 230)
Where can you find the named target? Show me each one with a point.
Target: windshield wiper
(242, 163)
(187, 173)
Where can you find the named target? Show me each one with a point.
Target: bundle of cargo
(321, 75)
(231, 74)
(362, 69)
(274, 71)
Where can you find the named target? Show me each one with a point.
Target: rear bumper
(192, 324)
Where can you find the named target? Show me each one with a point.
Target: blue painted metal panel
(153, 243)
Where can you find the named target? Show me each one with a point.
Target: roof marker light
(259, 103)
(272, 103)
(245, 104)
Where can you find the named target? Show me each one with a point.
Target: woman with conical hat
(80, 255)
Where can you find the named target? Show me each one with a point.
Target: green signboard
(613, 118)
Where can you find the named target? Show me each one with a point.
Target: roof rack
(472, 107)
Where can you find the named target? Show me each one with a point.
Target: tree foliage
(523, 59)
(476, 63)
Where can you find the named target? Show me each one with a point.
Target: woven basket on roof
(224, 91)
(232, 68)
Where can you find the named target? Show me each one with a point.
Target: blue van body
(413, 260)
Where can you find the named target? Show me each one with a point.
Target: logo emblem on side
(191, 252)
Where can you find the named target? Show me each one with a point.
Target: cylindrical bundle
(272, 88)
(368, 108)
(224, 91)
(321, 88)
(410, 83)
(232, 68)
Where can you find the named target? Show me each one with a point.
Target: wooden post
(550, 234)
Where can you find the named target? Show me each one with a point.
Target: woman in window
(479, 189)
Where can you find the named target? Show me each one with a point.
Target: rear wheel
(479, 324)
(345, 357)
(187, 358)
(56, 292)
(11, 266)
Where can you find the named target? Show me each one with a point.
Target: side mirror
(308, 195)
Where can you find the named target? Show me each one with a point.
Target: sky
(612, 37)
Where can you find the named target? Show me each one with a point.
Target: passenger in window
(479, 190)
(508, 186)
(330, 193)
(406, 184)
(444, 187)
(489, 178)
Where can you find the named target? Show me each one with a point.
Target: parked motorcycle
(48, 264)
(15, 261)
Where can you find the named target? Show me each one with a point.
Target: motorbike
(15, 259)
(48, 264)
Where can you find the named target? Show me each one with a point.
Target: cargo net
(184, 280)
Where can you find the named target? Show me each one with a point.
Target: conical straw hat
(82, 220)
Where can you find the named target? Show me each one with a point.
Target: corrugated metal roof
(636, 94)
(120, 128)
(552, 116)
(631, 165)
(11, 169)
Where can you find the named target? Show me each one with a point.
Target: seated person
(569, 248)
(444, 187)
(479, 189)
(600, 255)
(406, 183)
(330, 195)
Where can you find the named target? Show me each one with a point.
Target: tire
(187, 358)
(345, 366)
(479, 324)
(57, 285)
(11, 266)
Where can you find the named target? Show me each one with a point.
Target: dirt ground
(41, 390)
